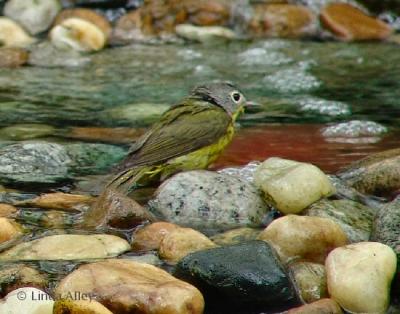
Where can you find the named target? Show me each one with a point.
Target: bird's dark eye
(236, 96)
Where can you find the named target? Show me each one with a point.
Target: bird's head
(224, 95)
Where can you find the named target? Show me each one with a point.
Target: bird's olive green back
(184, 128)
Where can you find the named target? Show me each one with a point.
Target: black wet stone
(241, 278)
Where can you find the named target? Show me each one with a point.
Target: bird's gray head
(223, 94)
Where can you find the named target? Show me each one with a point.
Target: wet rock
(67, 306)
(13, 57)
(115, 209)
(235, 236)
(355, 219)
(28, 301)
(150, 237)
(246, 275)
(109, 135)
(7, 210)
(21, 132)
(150, 258)
(282, 20)
(67, 247)
(127, 286)
(9, 229)
(13, 35)
(349, 23)
(204, 34)
(17, 276)
(309, 238)
(375, 174)
(373, 265)
(291, 186)
(77, 34)
(209, 199)
(87, 15)
(46, 55)
(310, 280)
(59, 200)
(324, 306)
(35, 16)
(180, 242)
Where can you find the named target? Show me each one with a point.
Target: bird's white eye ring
(236, 96)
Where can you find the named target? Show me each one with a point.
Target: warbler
(190, 135)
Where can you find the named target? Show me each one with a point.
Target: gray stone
(209, 199)
(247, 275)
(355, 219)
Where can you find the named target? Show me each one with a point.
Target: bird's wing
(182, 129)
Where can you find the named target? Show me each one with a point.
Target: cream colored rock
(13, 35)
(291, 186)
(150, 236)
(67, 247)
(34, 15)
(302, 237)
(181, 242)
(9, 229)
(67, 306)
(27, 301)
(204, 33)
(359, 276)
(78, 34)
(131, 287)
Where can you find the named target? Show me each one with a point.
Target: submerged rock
(127, 286)
(21, 132)
(17, 276)
(209, 199)
(236, 236)
(359, 276)
(13, 57)
(355, 219)
(67, 247)
(180, 242)
(300, 237)
(28, 301)
(291, 186)
(150, 237)
(376, 174)
(13, 35)
(242, 276)
(36, 16)
(349, 23)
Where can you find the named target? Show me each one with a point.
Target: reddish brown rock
(129, 27)
(150, 236)
(349, 23)
(323, 306)
(13, 57)
(281, 20)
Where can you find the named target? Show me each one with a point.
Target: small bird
(190, 135)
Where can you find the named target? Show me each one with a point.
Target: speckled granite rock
(209, 199)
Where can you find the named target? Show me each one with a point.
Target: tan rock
(149, 237)
(7, 210)
(299, 237)
(115, 209)
(27, 300)
(310, 279)
(235, 236)
(67, 247)
(323, 306)
(13, 35)
(9, 229)
(66, 306)
(127, 286)
(349, 23)
(359, 276)
(282, 20)
(129, 27)
(59, 200)
(87, 15)
(109, 135)
(204, 34)
(13, 57)
(182, 241)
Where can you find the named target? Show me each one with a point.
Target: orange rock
(88, 15)
(109, 135)
(349, 23)
(323, 306)
(282, 20)
(7, 210)
(150, 236)
(8, 229)
(13, 57)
